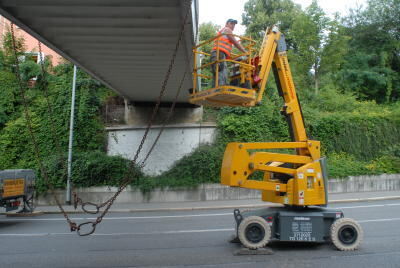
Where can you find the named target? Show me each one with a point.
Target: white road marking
(171, 216)
(367, 199)
(368, 206)
(162, 232)
(124, 234)
(123, 218)
(171, 232)
(34, 234)
(379, 220)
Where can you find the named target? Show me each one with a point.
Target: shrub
(88, 169)
(363, 135)
(341, 165)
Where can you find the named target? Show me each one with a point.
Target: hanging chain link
(96, 207)
(73, 226)
(130, 175)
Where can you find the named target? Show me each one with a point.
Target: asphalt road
(190, 239)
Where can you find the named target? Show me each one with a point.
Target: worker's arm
(233, 40)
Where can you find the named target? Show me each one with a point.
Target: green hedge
(365, 136)
(203, 165)
(88, 169)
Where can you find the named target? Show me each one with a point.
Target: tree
(207, 31)
(8, 57)
(386, 14)
(8, 97)
(310, 32)
(335, 49)
(260, 14)
(373, 61)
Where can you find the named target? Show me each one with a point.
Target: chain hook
(73, 226)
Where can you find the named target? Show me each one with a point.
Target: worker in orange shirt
(225, 44)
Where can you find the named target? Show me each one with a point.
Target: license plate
(13, 187)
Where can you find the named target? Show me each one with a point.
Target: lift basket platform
(224, 96)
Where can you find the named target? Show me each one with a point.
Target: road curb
(396, 197)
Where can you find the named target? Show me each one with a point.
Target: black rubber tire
(254, 232)
(346, 234)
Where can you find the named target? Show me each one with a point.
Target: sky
(218, 11)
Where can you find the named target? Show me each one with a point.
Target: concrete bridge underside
(125, 44)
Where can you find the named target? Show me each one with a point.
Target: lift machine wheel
(346, 234)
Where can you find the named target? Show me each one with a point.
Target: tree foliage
(207, 31)
(372, 66)
(358, 53)
(260, 14)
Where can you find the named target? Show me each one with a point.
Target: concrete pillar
(126, 111)
(183, 134)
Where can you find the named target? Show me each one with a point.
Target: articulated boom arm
(293, 179)
(273, 55)
(303, 181)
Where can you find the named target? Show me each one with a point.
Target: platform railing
(246, 64)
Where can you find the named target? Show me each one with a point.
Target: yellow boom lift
(297, 181)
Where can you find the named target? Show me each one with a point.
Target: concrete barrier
(212, 192)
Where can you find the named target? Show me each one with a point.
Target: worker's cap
(231, 21)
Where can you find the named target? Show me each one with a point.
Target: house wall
(31, 43)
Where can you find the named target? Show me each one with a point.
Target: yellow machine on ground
(17, 187)
(298, 181)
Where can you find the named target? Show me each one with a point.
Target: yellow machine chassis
(306, 187)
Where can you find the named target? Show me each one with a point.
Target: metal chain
(164, 84)
(97, 207)
(77, 200)
(125, 183)
(28, 119)
(129, 175)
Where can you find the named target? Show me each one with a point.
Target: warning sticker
(286, 200)
(13, 187)
(301, 197)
